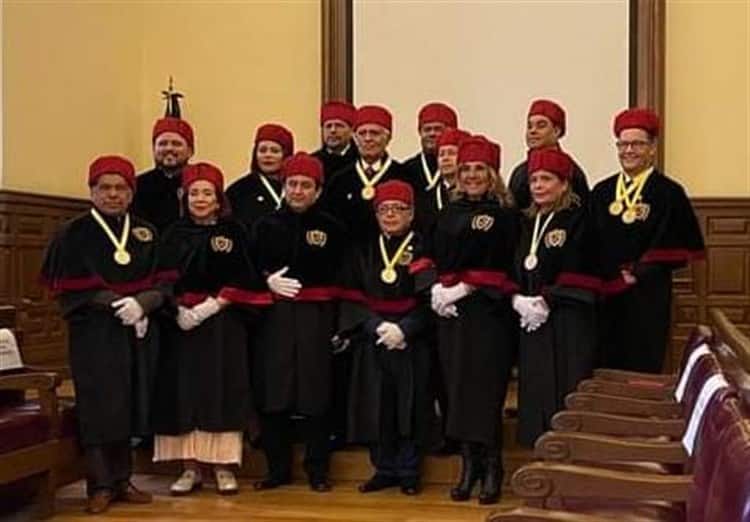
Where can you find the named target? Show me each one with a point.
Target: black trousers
(277, 438)
(108, 466)
(342, 364)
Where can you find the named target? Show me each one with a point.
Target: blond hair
(498, 190)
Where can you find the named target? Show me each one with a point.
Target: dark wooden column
(337, 49)
(647, 57)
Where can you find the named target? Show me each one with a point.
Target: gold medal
(628, 216)
(615, 208)
(122, 257)
(368, 192)
(388, 276)
(530, 262)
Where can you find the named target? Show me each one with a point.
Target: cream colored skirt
(203, 446)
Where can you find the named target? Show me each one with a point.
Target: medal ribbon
(276, 197)
(536, 237)
(431, 178)
(624, 194)
(119, 244)
(390, 263)
(372, 181)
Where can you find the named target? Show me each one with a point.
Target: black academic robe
(204, 373)
(428, 199)
(343, 200)
(157, 198)
(665, 236)
(378, 373)
(333, 162)
(112, 370)
(554, 358)
(292, 347)
(474, 243)
(519, 185)
(250, 199)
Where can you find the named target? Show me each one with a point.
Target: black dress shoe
(320, 484)
(378, 482)
(271, 483)
(410, 486)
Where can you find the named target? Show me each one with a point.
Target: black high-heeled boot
(471, 472)
(492, 480)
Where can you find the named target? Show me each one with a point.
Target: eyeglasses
(635, 144)
(385, 209)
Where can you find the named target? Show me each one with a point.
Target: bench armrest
(616, 425)
(580, 401)
(585, 447)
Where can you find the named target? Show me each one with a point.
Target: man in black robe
(157, 198)
(298, 250)
(646, 228)
(387, 316)
(545, 126)
(336, 125)
(421, 170)
(348, 196)
(101, 265)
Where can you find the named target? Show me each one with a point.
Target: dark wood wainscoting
(27, 222)
(722, 280)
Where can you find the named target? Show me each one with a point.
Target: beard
(170, 163)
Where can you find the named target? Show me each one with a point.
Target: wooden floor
(294, 503)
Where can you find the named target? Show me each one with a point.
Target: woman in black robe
(203, 399)
(554, 267)
(259, 192)
(473, 245)
(387, 316)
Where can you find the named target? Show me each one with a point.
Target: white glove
(186, 319)
(390, 335)
(141, 328)
(206, 309)
(455, 293)
(448, 311)
(533, 311)
(436, 297)
(129, 311)
(284, 286)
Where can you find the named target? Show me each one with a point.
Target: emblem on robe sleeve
(142, 234)
(316, 238)
(482, 222)
(222, 244)
(642, 210)
(406, 258)
(555, 238)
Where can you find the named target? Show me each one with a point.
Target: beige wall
(493, 66)
(83, 78)
(70, 90)
(240, 64)
(708, 96)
